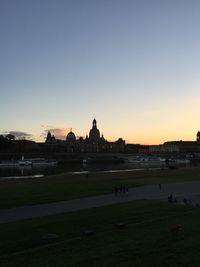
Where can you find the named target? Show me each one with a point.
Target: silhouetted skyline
(134, 65)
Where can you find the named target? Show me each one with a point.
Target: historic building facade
(94, 143)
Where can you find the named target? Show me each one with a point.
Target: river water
(43, 170)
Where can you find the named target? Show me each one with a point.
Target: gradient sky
(134, 65)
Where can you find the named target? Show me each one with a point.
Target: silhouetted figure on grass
(121, 189)
(170, 198)
(127, 191)
(116, 191)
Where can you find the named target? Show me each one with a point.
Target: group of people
(189, 202)
(172, 199)
(122, 190)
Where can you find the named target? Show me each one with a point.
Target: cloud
(60, 133)
(19, 134)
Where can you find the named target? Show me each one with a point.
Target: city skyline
(133, 65)
(62, 133)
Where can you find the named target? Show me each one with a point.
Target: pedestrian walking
(116, 191)
(124, 189)
(127, 191)
(121, 188)
(170, 198)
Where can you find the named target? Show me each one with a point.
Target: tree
(10, 137)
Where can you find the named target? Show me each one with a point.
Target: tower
(94, 134)
(94, 123)
(198, 137)
(48, 138)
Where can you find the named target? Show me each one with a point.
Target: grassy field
(146, 241)
(18, 192)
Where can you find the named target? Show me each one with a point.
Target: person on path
(127, 191)
(170, 198)
(121, 188)
(124, 189)
(116, 191)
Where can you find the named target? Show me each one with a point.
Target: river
(44, 170)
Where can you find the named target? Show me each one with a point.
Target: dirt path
(189, 190)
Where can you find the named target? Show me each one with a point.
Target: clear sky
(134, 65)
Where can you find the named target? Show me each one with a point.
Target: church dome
(71, 136)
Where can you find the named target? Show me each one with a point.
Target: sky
(132, 64)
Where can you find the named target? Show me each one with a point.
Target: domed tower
(94, 134)
(71, 136)
(198, 137)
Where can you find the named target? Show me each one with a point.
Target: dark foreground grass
(146, 241)
(19, 192)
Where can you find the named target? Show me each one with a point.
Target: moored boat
(25, 162)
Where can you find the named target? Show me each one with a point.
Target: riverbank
(53, 188)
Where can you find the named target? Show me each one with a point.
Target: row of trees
(10, 143)
(6, 141)
(9, 137)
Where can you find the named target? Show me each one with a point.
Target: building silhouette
(178, 146)
(198, 137)
(93, 143)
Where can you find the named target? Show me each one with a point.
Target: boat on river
(24, 162)
(36, 161)
(28, 162)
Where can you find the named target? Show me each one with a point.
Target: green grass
(147, 240)
(19, 192)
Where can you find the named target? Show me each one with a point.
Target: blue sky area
(132, 64)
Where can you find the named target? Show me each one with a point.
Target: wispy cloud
(60, 133)
(19, 134)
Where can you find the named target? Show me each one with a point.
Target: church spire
(94, 123)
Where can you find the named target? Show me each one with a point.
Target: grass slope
(146, 241)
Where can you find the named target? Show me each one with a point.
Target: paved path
(189, 190)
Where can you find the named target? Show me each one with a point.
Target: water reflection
(42, 170)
